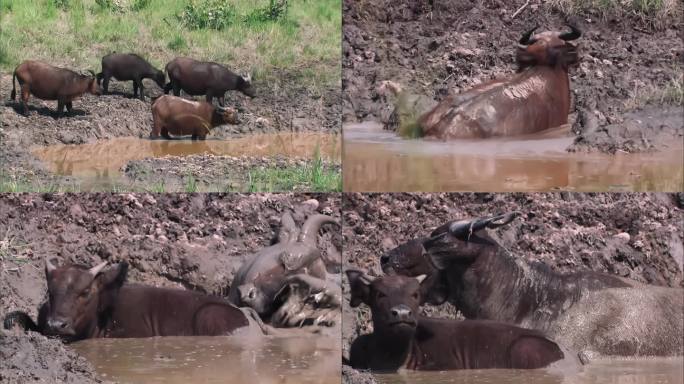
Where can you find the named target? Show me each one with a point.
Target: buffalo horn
(49, 267)
(572, 35)
(97, 269)
(525, 39)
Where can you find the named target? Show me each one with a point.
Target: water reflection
(103, 160)
(376, 160)
(651, 371)
(209, 360)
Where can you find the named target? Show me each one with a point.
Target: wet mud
(377, 160)
(279, 108)
(636, 236)
(191, 241)
(628, 66)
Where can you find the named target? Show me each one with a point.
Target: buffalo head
(548, 48)
(78, 295)
(245, 85)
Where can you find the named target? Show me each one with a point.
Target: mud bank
(637, 236)
(193, 241)
(282, 107)
(628, 68)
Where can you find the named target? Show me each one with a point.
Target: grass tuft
(655, 13)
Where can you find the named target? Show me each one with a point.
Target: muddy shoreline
(637, 236)
(192, 241)
(284, 107)
(432, 51)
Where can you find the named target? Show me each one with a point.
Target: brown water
(103, 160)
(378, 160)
(208, 360)
(656, 371)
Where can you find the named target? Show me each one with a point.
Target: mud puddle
(378, 160)
(209, 360)
(100, 163)
(656, 371)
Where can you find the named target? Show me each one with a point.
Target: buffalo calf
(86, 303)
(178, 116)
(403, 339)
(51, 83)
(129, 66)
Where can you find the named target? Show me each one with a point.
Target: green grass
(408, 115)
(77, 33)
(314, 177)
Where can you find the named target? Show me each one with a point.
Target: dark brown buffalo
(595, 313)
(536, 98)
(129, 66)
(92, 303)
(205, 78)
(177, 116)
(51, 83)
(403, 339)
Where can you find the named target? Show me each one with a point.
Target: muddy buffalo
(595, 313)
(51, 83)
(403, 339)
(129, 66)
(94, 302)
(173, 115)
(536, 98)
(205, 78)
(262, 277)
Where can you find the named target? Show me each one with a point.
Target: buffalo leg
(168, 87)
(69, 106)
(60, 108)
(142, 89)
(165, 133)
(105, 84)
(176, 89)
(25, 93)
(135, 89)
(222, 101)
(210, 97)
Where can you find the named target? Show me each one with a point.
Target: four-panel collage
(341, 191)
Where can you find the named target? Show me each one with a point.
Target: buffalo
(403, 339)
(129, 66)
(47, 82)
(86, 303)
(536, 98)
(595, 313)
(178, 116)
(265, 274)
(205, 78)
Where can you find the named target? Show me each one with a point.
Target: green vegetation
(407, 114)
(671, 93)
(304, 178)
(264, 37)
(656, 13)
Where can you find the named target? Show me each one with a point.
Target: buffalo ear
(114, 276)
(360, 287)
(433, 290)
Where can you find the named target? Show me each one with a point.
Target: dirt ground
(193, 241)
(433, 49)
(280, 107)
(638, 236)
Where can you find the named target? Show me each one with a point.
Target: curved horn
(49, 267)
(97, 269)
(465, 228)
(525, 39)
(574, 34)
(311, 227)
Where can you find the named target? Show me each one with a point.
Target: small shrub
(274, 11)
(111, 5)
(213, 14)
(62, 4)
(139, 5)
(177, 44)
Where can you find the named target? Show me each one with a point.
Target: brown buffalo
(51, 83)
(129, 66)
(403, 339)
(534, 99)
(205, 78)
(94, 302)
(177, 116)
(595, 313)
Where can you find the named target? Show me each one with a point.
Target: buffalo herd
(518, 314)
(172, 115)
(98, 302)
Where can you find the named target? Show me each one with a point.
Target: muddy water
(208, 360)
(657, 371)
(377, 160)
(103, 160)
